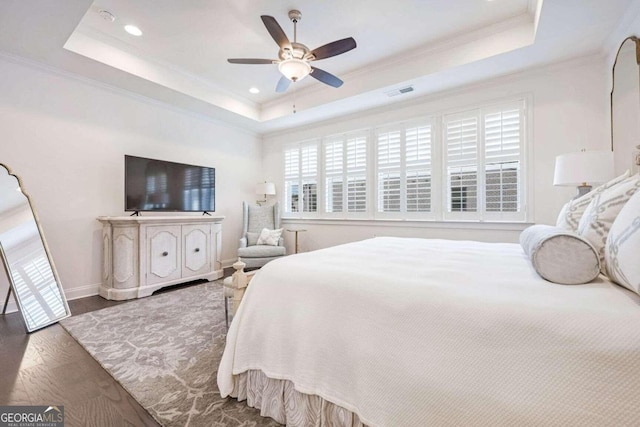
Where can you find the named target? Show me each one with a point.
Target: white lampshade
(294, 69)
(583, 168)
(266, 188)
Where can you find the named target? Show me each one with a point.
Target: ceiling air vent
(400, 91)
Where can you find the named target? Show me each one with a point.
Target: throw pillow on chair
(269, 237)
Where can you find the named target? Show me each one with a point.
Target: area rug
(165, 350)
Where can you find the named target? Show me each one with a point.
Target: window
(502, 146)
(334, 176)
(309, 166)
(345, 173)
(484, 157)
(356, 174)
(461, 148)
(465, 165)
(404, 169)
(292, 179)
(301, 178)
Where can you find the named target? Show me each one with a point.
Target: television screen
(156, 185)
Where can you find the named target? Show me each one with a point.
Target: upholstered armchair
(255, 219)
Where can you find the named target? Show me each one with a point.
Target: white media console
(144, 253)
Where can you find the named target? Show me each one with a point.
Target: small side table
(296, 231)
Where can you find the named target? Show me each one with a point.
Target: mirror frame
(5, 264)
(636, 40)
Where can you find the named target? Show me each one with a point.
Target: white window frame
(346, 173)
(439, 186)
(403, 170)
(301, 179)
(481, 214)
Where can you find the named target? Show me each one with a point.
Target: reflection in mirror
(625, 105)
(34, 282)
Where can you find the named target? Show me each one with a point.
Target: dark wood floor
(48, 367)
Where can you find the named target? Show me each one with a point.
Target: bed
(416, 332)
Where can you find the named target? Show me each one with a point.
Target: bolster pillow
(559, 255)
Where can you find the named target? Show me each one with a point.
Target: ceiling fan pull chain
(294, 97)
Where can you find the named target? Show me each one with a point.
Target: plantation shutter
(503, 153)
(334, 180)
(389, 171)
(461, 138)
(356, 174)
(466, 165)
(404, 169)
(292, 179)
(309, 168)
(418, 169)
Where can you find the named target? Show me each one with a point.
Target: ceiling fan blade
(283, 84)
(334, 48)
(276, 31)
(251, 61)
(326, 78)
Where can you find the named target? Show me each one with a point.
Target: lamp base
(582, 190)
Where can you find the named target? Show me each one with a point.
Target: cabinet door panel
(125, 257)
(164, 254)
(196, 249)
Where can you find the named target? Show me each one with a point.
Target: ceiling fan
(295, 58)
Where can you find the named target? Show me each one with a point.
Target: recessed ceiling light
(254, 90)
(106, 15)
(133, 30)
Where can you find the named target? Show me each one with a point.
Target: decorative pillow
(252, 238)
(603, 210)
(622, 252)
(572, 211)
(559, 255)
(269, 237)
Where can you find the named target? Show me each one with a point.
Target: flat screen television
(157, 185)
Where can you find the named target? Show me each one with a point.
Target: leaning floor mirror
(31, 275)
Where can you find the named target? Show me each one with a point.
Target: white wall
(569, 109)
(66, 138)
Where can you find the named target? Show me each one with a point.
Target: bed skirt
(279, 400)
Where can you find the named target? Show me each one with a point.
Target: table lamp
(266, 189)
(583, 169)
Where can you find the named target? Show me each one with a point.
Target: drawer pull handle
(165, 253)
(197, 249)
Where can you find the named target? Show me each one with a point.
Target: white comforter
(415, 332)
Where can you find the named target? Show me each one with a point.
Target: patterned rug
(165, 350)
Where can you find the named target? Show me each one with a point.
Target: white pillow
(622, 253)
(602, 212)
(269, 237)
(572, 211)
(559, 255)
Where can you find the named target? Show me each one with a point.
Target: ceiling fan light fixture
(294, 69)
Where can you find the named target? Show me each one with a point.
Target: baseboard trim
(82, 291)
(89, 290)
(226, 263)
